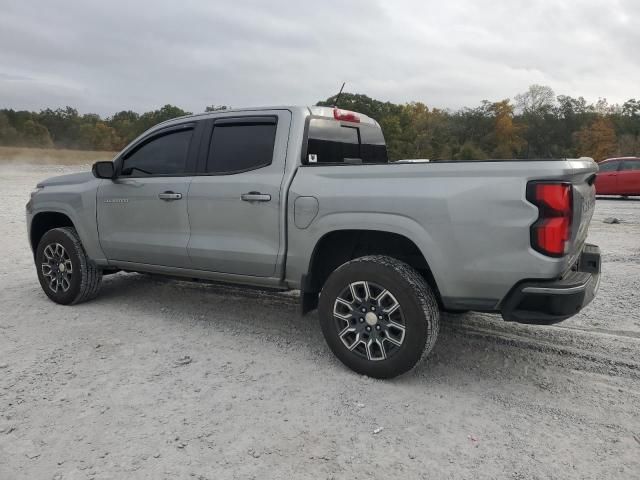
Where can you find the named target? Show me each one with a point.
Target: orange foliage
(598, 140)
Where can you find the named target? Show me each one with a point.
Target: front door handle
(255, 197)
(168, 196)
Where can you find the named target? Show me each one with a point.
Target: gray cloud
(107, 56)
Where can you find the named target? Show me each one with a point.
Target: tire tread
(419, 289)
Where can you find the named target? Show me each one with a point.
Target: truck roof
(308, 110)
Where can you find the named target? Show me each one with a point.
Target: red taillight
(345, 115)
(551, 233)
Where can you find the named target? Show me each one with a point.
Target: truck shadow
(471, 348)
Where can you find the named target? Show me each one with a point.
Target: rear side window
(331, 142)
(162, 155)
(631, 165)
(241, 145)
(609, 166)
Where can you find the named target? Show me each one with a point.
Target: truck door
(235, 201)
(142, 214)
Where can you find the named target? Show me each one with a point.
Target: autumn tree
(98, 136)
(506, 134)
(597, 140)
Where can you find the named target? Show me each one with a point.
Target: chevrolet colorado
(305, 198)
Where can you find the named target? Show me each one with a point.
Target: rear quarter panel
(470, 220)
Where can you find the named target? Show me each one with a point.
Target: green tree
(469, 151)
(62, 124)
(126, 125)
(536, 107)
(34, 134)
(168, 112)
(8, 134)
(215, 108)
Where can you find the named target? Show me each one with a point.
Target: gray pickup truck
(305, 198)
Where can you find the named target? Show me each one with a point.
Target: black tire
(83, 281)
(418, 309)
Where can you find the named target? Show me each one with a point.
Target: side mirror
(104, 170)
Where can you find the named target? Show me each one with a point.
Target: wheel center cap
(61, 267)
(371, 318)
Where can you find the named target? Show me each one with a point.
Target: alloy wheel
(369, 320)
(56, 267)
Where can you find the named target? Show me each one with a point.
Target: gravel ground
(163, 379)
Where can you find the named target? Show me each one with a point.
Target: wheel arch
(339, 246)
(43, 222)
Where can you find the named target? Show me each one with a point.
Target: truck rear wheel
(378, 315)
(65, 272)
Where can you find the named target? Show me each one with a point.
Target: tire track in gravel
(574, 356)
(585, 349)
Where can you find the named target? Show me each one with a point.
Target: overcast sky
(140, 54)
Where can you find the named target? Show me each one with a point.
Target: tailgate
(584, 201)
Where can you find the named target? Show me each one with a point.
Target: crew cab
(305, 198)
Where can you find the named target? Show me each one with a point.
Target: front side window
(163, 155)
(609, 166)
(239, 147)
(631, 165)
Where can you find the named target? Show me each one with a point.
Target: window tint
(165, 155)
(631, 165)
(331, 142)
(373, 147)
(609, 166)
(240, 147)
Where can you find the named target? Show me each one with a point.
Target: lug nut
(373, 309)
(377, 327)
(380, 317)
(361, 320)
(363, 310)
(368, 329)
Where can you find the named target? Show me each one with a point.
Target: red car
(619, 176)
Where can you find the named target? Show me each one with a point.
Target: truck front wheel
(378, 315)
(65, 272)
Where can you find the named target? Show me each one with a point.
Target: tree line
(534, 124)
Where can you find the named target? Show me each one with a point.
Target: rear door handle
(168, 196)
(255, 197)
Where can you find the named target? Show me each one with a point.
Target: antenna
(335, 103)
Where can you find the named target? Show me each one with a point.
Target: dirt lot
(160, 379)
(50, 156)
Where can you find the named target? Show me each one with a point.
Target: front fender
(79, 206)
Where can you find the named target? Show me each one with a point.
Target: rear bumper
(549, 301)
